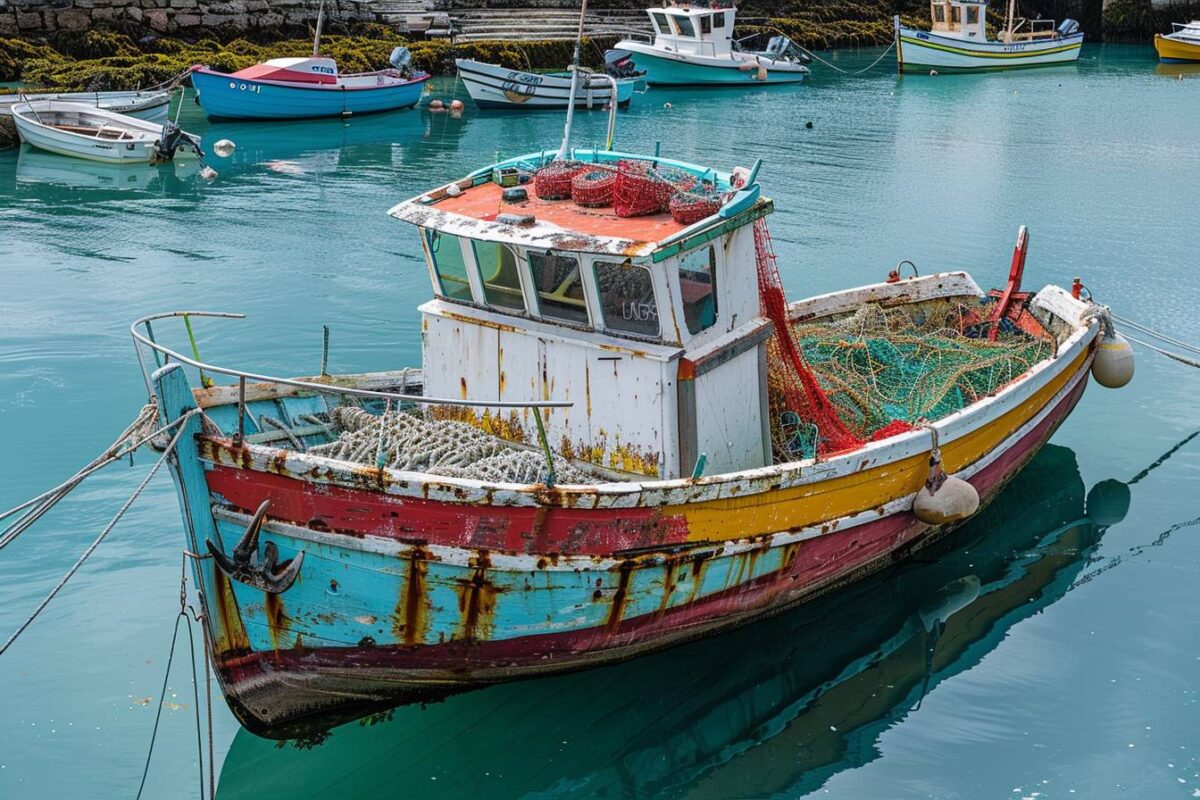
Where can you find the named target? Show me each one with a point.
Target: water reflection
(37, 168)
(790, 701)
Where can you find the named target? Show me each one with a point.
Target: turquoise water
(1051, 648)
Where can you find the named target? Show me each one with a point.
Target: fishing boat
(957, 40)
(693, 45)
(84, 131)
(1182, 44)
(621, 437)
(492, 86)
(307, 88)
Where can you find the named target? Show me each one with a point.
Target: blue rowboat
(303, 88)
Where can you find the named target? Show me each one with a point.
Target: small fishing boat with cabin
(84, 131)
(693, 45)
(957, 40)
(493, 86)
(307, 88)
(621, 437)
(1181, 45)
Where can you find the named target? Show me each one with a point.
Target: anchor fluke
(267, 575)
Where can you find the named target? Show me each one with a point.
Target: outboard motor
(173, 138)
(781, 48)
(619, 64)
(1067, 27)
(401, 59)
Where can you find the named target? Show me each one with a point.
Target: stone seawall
(39, 17)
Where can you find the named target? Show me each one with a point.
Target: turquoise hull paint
(228, 97)
(669, 72)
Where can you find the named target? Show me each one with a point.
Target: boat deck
(485, 202)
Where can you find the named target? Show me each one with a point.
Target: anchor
(244, 567)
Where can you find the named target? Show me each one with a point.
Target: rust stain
(462, 385)
(411, 619)
(477, 597)
(507, 427)
(668, 584)
(617, 608)
(587, 387)
(279, 624)
(231, 637)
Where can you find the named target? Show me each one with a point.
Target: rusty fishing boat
(621, 437)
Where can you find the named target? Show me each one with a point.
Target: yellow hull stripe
(825, 501)
(978, 54)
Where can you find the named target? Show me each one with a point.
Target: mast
(1008, 22)
(566, 142)
(320, 24)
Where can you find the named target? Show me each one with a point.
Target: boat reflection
(40, 167)
(795, 699)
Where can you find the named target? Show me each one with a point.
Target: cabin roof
(472, 209)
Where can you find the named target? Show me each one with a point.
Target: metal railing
(167, 355)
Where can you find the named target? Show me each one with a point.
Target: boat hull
(414, 598)
(1174, 51)
(225, 96)
(151, 107)
(921, 51)
(495, 87)
(675, 69)
(140, 148)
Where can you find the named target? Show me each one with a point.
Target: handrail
(148, 341)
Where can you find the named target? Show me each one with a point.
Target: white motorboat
(83, 131)
(693, 45)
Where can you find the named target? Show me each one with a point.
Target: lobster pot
(593, 187)
(640, 190)
(553, 181)
(687, 208)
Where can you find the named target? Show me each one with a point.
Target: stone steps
(518, 24)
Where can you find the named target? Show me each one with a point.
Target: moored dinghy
(958, 42)
(1181, 45)
(493, 86)
(150, 105)
(83, 131)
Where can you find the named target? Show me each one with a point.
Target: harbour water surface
(1050, 649)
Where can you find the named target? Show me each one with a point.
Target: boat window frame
(715, 280)
(706, 26)
(939, 13)
(972, 11)
(534, 298)
(656, 292)
(956, 15)
(680, 19)
(718, 19)
(431, 263)
(661, 22)
(522, 287)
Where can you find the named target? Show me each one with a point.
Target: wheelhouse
(699, 30)
(959, 18)
(649, 326)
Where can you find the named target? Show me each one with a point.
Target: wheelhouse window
(557, 284)
(449, 266)
(627, 298)
(939, 13)
(718, 19)
(698, 288)
(972, 15)
(706, 25)
(685, 26)
(660, 22)
(499, 274)
(955, 15)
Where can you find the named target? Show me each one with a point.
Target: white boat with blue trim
(957, 40)
(493, 86)
(693, 45)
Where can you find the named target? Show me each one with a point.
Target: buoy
(761, 75)
(224, 148)
(944, 498)
(436, 105)
(454, 190)
(456, 105)
(208, 173)
(1113, 364)
(1108, 502)
(667, 106)
(933, 73)
(808, 124)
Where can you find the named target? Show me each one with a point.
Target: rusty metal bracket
(267, 574)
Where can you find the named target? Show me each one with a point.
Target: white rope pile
(410, 442)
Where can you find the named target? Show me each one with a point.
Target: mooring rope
(38, 506)
(103, 534)
(844, 72)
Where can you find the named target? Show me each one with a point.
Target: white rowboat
(150, 106)
(493, 86)
(83, 131)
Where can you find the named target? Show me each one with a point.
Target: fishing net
(593, 187)
(412, 442)
(690, 207)
(643, 189)
(553, 181)
(879, 372)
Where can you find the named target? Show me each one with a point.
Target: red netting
(802, 394)
(893, 428)
(640, 190)
(593, 187)
(553, 181)
(687, 208)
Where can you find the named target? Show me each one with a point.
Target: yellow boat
(1181, 45)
